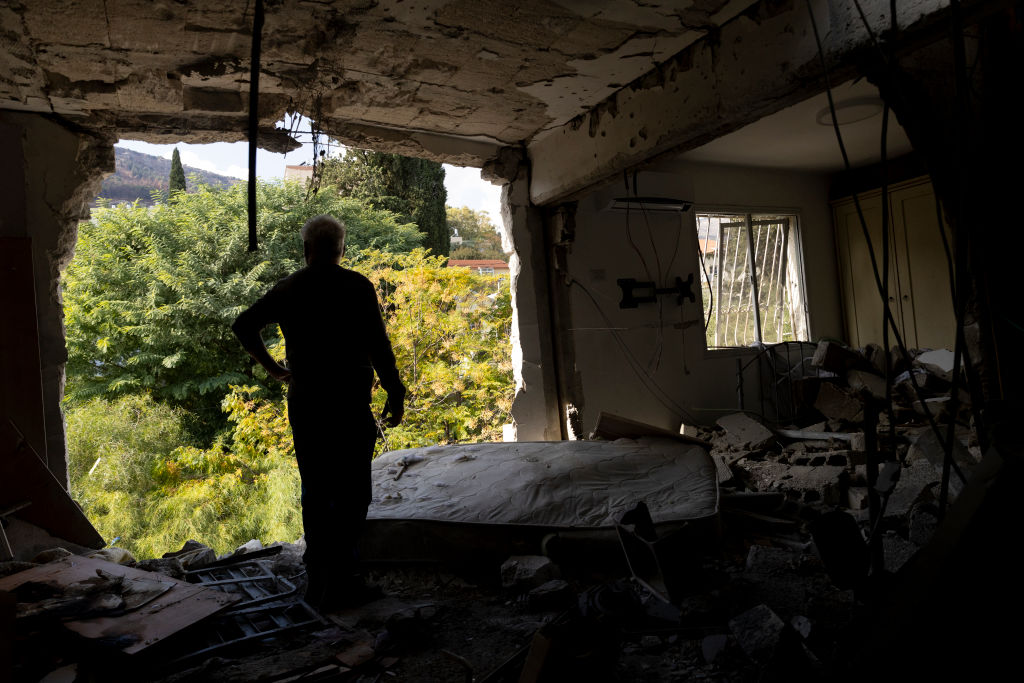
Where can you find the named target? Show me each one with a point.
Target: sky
(464, 185)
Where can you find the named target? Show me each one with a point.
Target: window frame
(795, 262)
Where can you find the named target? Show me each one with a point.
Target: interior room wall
(651, 363)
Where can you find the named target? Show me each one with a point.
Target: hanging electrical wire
(887, 311)
(254, 115)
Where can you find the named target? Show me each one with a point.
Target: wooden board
(25, 478)
(177, 608)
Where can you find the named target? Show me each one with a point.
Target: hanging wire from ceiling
(254, 115)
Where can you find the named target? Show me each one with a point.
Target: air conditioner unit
(653, 204)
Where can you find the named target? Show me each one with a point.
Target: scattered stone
(193, 555)
(722, 468)
(822, 483)
(248, 547)
(524, 572)
(757, 631)
(897, 551)
(857, 441)
(801, 625)
(838, 404)
(938, 363)
(834, 357)
(860, 380)
(712, 646)
(115, 555)
(857, 497)
(168, 566)
(875, 355)
(743, 431)
(51, 555)
(554, 594)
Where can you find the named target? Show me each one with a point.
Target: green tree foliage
(139, 484)
(151, 293)
(450, 330)
(480, 239)
(176, 182)
(412, 188)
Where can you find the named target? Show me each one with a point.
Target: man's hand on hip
(394, 410)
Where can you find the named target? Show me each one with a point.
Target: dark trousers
(334, 439)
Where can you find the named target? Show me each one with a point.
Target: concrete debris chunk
(838, 404)
(801, 625)
(875, 355)
(524, 572)
(834, 357)
(814, 483)
(168, 566)
(938, 363)
(743, 431)
(859, 380)
(757, 631)
(712, 646)
(553, 594)
(51, 555)
(193, 555)
(722, 468)
(115, 555)
(857, 497)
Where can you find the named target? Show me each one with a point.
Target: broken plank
(179, 607)
(611, 427)
(26, 478)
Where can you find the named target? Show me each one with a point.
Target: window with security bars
(752, 279)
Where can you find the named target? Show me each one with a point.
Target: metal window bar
(749, 275)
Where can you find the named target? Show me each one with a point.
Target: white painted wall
(655, 367)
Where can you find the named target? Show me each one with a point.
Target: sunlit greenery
(174, 434)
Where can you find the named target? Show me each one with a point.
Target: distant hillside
(136, 175)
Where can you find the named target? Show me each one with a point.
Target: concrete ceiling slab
(489, 70)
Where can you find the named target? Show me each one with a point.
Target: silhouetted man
(334, 340)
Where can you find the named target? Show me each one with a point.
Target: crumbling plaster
(61, 170)
(760, 62)
(477, 75)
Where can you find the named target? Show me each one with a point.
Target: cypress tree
(177, 180)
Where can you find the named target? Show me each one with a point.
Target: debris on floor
(765, 581)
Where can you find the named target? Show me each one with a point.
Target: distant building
(481, 266)
(298, 173)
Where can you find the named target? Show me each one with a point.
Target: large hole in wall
(188, 439)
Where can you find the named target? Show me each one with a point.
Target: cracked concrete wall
(535, 412)
(760, 62)
(61, 171)
(652, 364)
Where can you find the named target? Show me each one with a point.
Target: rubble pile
(769, 589)
(821, 466)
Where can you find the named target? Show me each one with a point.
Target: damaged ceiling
(453, 80)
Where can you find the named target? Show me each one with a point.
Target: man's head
(323, 239)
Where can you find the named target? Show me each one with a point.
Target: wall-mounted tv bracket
(635, 293)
